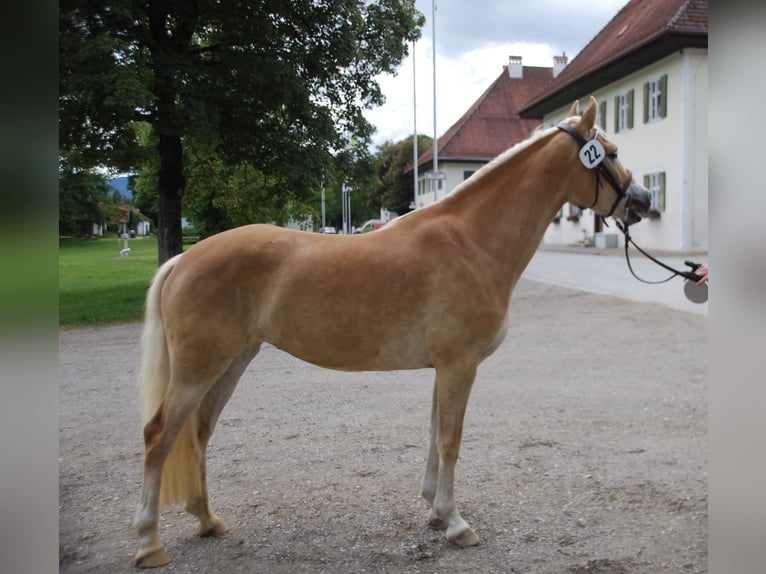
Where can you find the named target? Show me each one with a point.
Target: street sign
(436, 175)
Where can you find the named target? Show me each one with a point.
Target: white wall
(697, 73)
(676, 145)
(431, 190)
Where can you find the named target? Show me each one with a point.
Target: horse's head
(612, 190)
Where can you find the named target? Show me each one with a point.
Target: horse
(444, 275)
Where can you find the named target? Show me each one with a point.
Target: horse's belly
(353, 349)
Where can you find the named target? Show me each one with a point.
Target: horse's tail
(181, 478)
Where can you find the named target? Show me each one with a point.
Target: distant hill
(121, 185)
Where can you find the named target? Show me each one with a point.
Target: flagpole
(414, 129)
(436, 143)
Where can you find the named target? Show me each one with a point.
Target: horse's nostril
(647, 200)
(641, 201)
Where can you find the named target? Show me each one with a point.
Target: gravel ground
(584, 451)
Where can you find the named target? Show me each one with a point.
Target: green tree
(396, 188)
(144, 183)
(280, 85)
(84, 199)
(361, 179)
(220, 196)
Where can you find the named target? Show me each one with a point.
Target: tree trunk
(171, 183)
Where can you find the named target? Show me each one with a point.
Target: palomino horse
(443, 274)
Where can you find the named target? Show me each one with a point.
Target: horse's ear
(588, 119)
(574, 109)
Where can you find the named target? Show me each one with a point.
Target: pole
(346, 204)
(343, 206)
(324, 222)
(414, 128)
(348, 209)
(436, 143)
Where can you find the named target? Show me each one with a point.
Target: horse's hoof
(437, 524)
(152, 558)
(218, 528)
(466, 538)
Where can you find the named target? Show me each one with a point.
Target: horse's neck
(508, 209)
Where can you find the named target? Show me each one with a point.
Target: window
(655, 183)
(623, 112)
(574, 213)
(656, 99)
(431, 185)
(468, 173)
(427, 185)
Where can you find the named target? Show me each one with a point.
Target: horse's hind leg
(160, 433)
(453, 386)
(207, 417)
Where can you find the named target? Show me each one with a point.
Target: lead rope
(675, 272)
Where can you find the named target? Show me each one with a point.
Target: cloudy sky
(473, 42)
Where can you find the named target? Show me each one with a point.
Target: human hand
(702, 271)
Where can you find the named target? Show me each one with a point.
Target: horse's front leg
(428, 486)
(452, 388)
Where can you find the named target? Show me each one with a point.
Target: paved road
(608, 274)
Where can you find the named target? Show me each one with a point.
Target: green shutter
(616, 114)
(602, 114)
(663, 95)
(661, 200)
(630, 109)
(646, 102)
(646, 181)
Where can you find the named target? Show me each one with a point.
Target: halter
(599, 168)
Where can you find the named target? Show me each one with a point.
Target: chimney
(559, 63)
(515, 70)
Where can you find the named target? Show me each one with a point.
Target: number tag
(592, 154)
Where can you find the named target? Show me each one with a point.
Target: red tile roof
(121, 214)
(491, 125)
(643, 32)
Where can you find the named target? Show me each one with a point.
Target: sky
(473, 42)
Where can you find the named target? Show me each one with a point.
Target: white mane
(536, 136)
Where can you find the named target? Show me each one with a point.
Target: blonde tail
(181, 479)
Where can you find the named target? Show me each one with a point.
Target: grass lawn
(97, 286)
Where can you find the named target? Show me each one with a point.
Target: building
(648, 70)
(129, 220)
(489, 127)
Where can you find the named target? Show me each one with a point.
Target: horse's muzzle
(637, 203)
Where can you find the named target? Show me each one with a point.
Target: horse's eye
(612, 155)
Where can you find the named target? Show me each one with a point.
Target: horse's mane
(539, 133)
(484, 171)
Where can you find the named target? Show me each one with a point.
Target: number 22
(593, 154)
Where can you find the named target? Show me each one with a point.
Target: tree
(84, 199)
(397, 188)
(221, 196)
(280, 85)
(361, 180)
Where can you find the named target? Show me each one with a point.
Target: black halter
(622, 193)
(599, 170)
